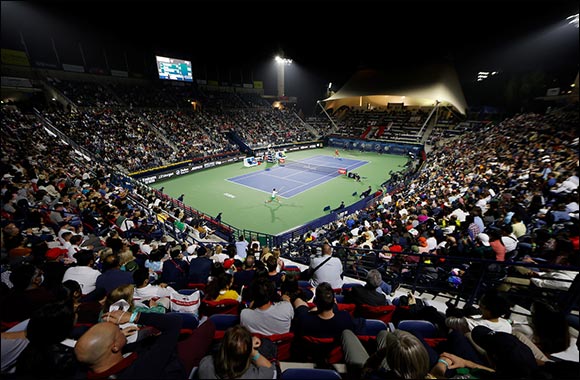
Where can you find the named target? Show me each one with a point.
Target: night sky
(328, 41)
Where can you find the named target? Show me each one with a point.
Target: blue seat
(349, 285)
(421, 328)
(190, 321)
(374, 326)
(310, 373)
(224, 321)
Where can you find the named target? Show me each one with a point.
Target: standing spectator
(242, 247)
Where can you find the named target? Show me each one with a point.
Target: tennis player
(273, 197)
(336, 153)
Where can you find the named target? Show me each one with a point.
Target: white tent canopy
(417, 87)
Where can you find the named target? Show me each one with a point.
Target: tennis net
(304, 166)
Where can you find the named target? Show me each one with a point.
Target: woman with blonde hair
(237, 358)
(125, 292)
(404, 354)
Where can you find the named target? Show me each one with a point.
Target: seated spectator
(265, 316)
(112, 276)
(404, 355)
(322, 321)
(369, 294)
(101, 348)
(219, 288)
(145, 291)
(548, 330)
(27, 294)
(83, 272)
(175, 270)
(48, 350)
(330, 270)
(219, 256)
(238, 357)
(127, 260)
(492, 307)
(125, 292)
(245, 276)
(200, 267)
(507, 355)
(276, 277)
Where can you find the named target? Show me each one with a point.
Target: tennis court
(295, 177)
(243, 205)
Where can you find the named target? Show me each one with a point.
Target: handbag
(307, 273)
(185, 303)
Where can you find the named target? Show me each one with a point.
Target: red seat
(383, 313)
(326, 350)
(227, 306)
(283, 342)
(7, 325)
(199, 286)
(350, 307)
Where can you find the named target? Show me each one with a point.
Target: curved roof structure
(420, 87)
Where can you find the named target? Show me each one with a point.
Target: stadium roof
(417, 86)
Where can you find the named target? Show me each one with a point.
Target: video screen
(174, 69)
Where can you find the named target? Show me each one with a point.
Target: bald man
(101, 348)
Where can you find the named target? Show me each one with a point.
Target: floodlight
(573, 20)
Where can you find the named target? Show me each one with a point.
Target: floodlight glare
(281, 62)
(573, 20)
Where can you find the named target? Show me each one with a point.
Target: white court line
(284, 178)
(332, 174)
(360, 163)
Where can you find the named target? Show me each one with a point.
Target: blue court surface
(293, 178)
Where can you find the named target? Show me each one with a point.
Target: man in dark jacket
(368, 294)
(200, 267)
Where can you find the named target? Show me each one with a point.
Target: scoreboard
(174, 69)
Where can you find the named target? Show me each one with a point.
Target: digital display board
(174, 69)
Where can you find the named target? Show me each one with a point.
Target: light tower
(282, 63)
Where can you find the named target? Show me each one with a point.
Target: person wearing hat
(54, 268)
(506, 353)
(482, 248)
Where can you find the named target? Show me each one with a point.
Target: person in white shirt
(241, 247)
(83, 273)
(330, 271)
(145, 291)
(219, 256)
(492, 307)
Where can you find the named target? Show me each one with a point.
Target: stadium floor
(244, 207)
